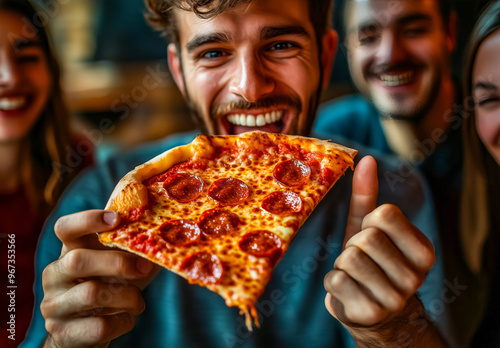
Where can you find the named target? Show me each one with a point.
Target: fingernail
(143, 266)
(110, 218)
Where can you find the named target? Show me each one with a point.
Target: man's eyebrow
(26, 43)
(271, 32)
(414, 17)
(365, 26)
(484, 85)
(207, 39)
(371, 24)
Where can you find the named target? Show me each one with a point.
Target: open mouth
(275, 121)
(13, 103)
(394, 80)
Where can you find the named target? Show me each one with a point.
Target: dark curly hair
(160, 13)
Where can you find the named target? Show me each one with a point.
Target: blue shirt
(291, 310)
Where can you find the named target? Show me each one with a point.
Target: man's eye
(282, 46)
(417, 31)
(367, 39)
(213, 54)
(28, 59)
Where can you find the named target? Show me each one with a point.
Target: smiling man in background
(399, 58)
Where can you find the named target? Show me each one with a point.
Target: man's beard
(417, 113)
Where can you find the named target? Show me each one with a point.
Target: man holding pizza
(248, 58)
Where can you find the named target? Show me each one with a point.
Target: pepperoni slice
(218, 222)
(282, 202)
(180, 232)
(183, 187)
(292, 172)
(260, 243)
(203, 267)
(229, 191)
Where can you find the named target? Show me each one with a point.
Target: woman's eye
(487, 101)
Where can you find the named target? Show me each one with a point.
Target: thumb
(364, 195)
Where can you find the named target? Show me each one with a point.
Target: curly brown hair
(160, 13)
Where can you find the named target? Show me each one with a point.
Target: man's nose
(9, 71)
(390, 50)
(251, 80)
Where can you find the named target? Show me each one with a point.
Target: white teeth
(251, 121)
(12, 103)
(261, 121)
(397, 80)
(255, 120)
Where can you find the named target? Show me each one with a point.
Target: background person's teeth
(12, 103)
(268, 118)
(261, 121)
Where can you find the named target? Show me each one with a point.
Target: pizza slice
(221, 211)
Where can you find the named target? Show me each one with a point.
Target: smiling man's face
(398, 53)
(254, 67)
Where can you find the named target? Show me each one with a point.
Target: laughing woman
(480, 233)
(38, 156)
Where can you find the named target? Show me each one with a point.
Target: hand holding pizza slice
(223, 210)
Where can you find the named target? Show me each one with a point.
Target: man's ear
(174, 63)
(330, 43)
(451, 37)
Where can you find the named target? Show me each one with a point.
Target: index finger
(78, 230)
(364, 195)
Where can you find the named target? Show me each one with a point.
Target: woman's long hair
(46, 163)
(475, 212)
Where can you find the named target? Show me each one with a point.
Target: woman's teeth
(14, 103)
(255, 120)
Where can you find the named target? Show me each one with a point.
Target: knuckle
(350, 257)
(136, 300)
(386, 212)
(371, 313)
(99, 331)
(371, 236)
(74, 262)
(394, 301)
(54, 329)
(46, 308)
(47, 274)
(59, 226)
(335, 280)
(410, 282)
(90, 294)
(427, 258)
(123, 265)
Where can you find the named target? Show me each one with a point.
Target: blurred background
(116, 76)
